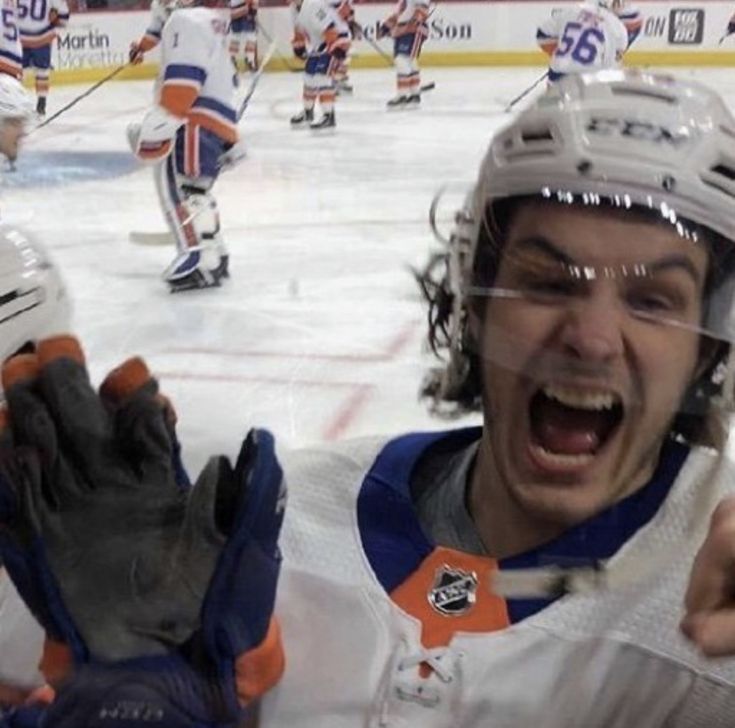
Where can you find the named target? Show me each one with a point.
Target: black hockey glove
(300, 52)
(159, 589)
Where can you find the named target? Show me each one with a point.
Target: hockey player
(438, 579)
(408, 27)
(630, 16)
(244, 42)
(346, 11)
(583, 38)
(188, 134)
(11, 52)
(321, 38)
(38, 23)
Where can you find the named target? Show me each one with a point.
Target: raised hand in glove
(300, 52)
(163, 592)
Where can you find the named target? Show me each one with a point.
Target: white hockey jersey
(39, 19)
(384, 629)
(581, 39)
(196, 78)
(318, 27)
(11, 52)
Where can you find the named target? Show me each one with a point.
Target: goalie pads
(152, 139)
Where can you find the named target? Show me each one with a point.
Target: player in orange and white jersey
(244, 41)
(37, 22)
(346, 11)
(630, 16)
(11, 51)
(582, 38)
(189, 133)
(322, 39)
(408, 27)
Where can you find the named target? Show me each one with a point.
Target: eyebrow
(545, 246)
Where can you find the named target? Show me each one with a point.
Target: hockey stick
(430, 86)
(75, 101)
(525, 93)
(254, 81)
(284, 59)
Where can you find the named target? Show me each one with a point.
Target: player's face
(11, 132)
(581, 376)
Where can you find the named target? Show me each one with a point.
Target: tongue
(566, 430)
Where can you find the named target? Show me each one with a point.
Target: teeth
(581, 399)
(567, 461)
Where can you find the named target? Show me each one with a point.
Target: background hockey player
(11, 51)
(346, 11)
(582, 38)
(188, 134)
(586, 310)
(244, 42)
(630, 16)
(38, 23)
(408, 27)
(321, 38)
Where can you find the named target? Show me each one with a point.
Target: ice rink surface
(319, 332)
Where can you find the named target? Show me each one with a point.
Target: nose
(592, 328)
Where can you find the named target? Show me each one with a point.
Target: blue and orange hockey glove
(161, 593)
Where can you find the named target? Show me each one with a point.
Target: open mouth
(570, 425)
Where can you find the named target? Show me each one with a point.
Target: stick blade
(151, 238)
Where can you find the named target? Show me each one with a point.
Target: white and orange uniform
(582, 39)
(244, 38)
(346, 11)
(11, 51)
(194, 122)
(38, 21)
(409, 28)
(383, 628)
(325, 37)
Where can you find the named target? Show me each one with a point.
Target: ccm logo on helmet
(635, 129)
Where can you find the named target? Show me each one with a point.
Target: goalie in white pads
(188, 134)
(321, 38)
(583, 38)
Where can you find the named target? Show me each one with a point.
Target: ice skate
(326, 122)
(302, 119)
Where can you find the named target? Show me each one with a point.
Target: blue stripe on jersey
(540, 35)
(395, 544)
(392, 537)
(180, 70)
(206, 102)
(11, 56)
(153, 33)
(601, 536)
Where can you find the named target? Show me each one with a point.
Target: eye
(550, 287)
(653, 302)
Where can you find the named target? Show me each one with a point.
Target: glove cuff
(259, 669)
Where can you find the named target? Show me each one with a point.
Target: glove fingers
(145, 422)
(81, 420)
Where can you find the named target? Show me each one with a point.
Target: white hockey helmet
(33, 299)
(15, 101)
(621, 139)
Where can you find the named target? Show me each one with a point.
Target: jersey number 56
(581, 42)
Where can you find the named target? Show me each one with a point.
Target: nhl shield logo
(454, 591)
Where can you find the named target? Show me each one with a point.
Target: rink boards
(461, 33)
